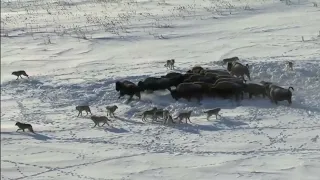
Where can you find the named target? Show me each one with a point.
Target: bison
(127, 88)
(239, 70)
(277, 93)
(187, 91)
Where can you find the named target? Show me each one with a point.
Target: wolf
(184, 115)
(83, 108)
(167, 117)
(23, 126)
(151, 112)
(170, 64)
(170, 119)
(211, 112)
(161, 113)
(98, 119)
(157, 113)
(111, 110)
(19, 73)
(289, 65)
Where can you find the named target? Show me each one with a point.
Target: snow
(75, 50)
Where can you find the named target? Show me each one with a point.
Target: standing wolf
(289, 65)
(83, 108)
(19, 73)
(151, 113)
(214, 111)
(167, 117)
(111, 110)
(170, 64)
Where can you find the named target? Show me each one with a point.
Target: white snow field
(75, 51)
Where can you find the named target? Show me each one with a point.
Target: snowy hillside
(75, 51)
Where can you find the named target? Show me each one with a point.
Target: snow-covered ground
(75, 50)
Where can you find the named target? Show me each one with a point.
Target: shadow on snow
(36, 136)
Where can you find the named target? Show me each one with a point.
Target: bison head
(141, 85)
(175, 95)
(118, 85)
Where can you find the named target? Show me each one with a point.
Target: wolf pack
(196, 83)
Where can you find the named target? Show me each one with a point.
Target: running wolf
(184, 115)
(98, 119)
(23, 126)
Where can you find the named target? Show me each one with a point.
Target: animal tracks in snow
(76, 51)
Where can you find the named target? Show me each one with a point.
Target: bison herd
(199, 82)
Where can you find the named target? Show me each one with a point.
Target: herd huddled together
(196, 83)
